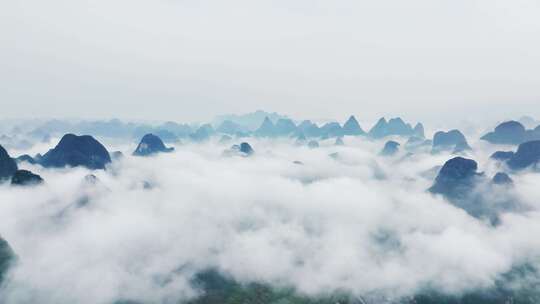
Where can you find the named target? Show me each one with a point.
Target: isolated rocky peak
(8, 166)
(151, 144)
(352, 127)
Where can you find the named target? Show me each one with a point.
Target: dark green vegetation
(519, 286)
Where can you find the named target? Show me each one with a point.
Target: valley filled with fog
(344, 214)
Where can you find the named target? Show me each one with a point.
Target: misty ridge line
(306, 213)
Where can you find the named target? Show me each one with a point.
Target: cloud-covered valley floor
(355, 222)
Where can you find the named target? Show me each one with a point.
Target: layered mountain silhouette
(502, 155)
(229, 127)
(511, 133)
(395, 126)
(284, 127)
(331, 129)
(309, 129)
(8, 166)
(26, 158)
(25, 178)
(151, 144)
(526, 156)
(74, 151)
(452, 140)
(267, 129)
(203, 133)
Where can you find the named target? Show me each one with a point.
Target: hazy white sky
(188, 60)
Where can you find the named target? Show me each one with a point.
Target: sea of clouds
(357, 222)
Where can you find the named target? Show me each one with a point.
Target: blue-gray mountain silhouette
(203, 133)
(249, 121)
(512, 133)
(151, 144)
(73, 151)
(284, 127)
(527, 155)
(501, 178)
(331, 129)
(8, 166)
(415, 142)
(502, 155)
(456, 178)
(7, 258)
(166, 136)
(309, 129)
(390, 148)
(26, 158)
(418, 130)
(229, 127)
(267, 129)
(509, 132)
(25, 178)
(395, 126)
(246, 148)
(352, 127)
(452, 140)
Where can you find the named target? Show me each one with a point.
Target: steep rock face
(456, 178)
(151, 144)
(527, 155)
(8, 166)
(502, 155)
(7, 258)
(25, 178)
(73, 151)
(509, 132)
(390, 148)
(352, 127)
(451, 140)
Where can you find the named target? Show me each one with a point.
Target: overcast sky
(189, 60)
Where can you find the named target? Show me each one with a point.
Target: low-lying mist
(288, 216)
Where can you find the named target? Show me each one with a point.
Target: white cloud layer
(360, 223)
